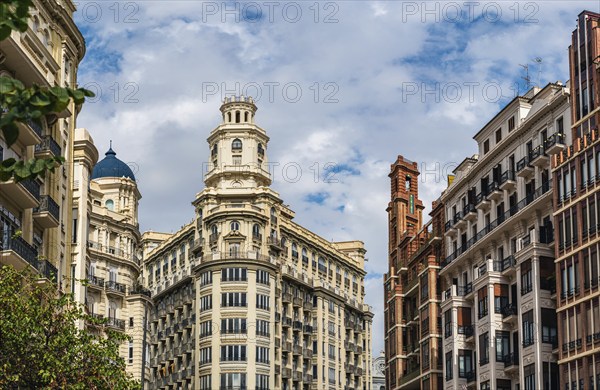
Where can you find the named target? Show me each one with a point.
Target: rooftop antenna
(526, 77)
(538, 60)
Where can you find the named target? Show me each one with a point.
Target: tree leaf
(11, 133)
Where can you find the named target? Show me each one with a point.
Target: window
(231, 381)
(500, 297)
(465, 363)
(205, 355)
(549, 327)
(511, 123)
(110, 204)
(256, 232)
(529, 372)
(234, 274)
(262, 355)
(526, 277)
(332, 376)
(235, 226)
(485, 386)
(214, 230)
(233, 326)
(502, 345)
(262, 328)
(260, 149)
(236, 144)
(262, 277)
(528, 328)
(304, 256)
(484, 349)
(447, 323)
(205, 328)
(425, 358)
(498, 135)
(486, 146)
(131, 322)
(205, 278)
(234, 249)
(233, 299)
(262, 382)
(482, 305)
(294, 250)
(233, 353)
(205, 303)
(322, 266)
(449, 366)
(262, 301)
(130, 355)
(205, 382)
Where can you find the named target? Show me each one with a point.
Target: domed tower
(118, 187)
(238, 156)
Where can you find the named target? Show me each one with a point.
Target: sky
(342, 89)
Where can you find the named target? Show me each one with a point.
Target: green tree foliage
(23, 105)
(41, 346)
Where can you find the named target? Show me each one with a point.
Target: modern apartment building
(498, 301)
(576, 171)
(244, 296)
(35, 215)
(413, 335)
(107, 248)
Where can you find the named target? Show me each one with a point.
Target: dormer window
(236, 145)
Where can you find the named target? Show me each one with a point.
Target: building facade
(576, 170)
(245, 297)
(498, 301)
(35, 214)
(413, 336)
(107, 249)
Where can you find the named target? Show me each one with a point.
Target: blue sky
(343, 88)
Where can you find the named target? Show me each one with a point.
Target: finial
(110, 144)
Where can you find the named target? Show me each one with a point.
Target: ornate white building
(245, 297)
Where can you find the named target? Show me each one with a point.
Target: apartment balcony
(307, 378)
(308, 329)
(213, 238)
(47, 270)
(25, 194)
(197, 246)
(470, 212)
(511, 363)
(307, 353)
(509, 313)
(458, 221)
(297, 302)
(297, 349)
(286, 322)
(524, 168)
(115, 323)
(508, 181)
(48, 148)
(555, 143)
(95, 282)
(466, 330)
(358, 371)
(277, 317)
(450, 228)
(297, 376)
(409, 376)
(287, 297)
(494, 191)
(286, 346)
(47, 214)
(539, 158)
(286, 373)
(274, 243)
(30, 133)
(481, 200)
(17, 252)
(308, 306)
(113, 287)
(508, 265)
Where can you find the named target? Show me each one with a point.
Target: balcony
(286, 346)
(114, 287)
(458, 221)
(48, 148)
(286, 373)
(274, 243)
(509, 313)
(481, 200)
(539, 158)
(287, 297)
(508, 181)
(511, 362)
(494, 191)
(524, 168)
(555, 143)
(297, 301)
(466, 330)
(307, 353)
(470, 212)
(17, 252)
(47, 214)
(30, 133)
(115, 323)
(47, 270)
(308, 329)
(213, 238)
(95, 282)
(25, 194)
(297, 349)
(297, 376)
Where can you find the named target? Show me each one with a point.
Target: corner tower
(238, 146)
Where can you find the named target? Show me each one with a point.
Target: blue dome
(111, 166)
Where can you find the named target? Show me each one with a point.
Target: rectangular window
(233, 326)
(502, 345)
(529, 372)
(262, 382)
(205, 303)
(205, 278)
(262, 301)
(233, 381)
(262, 328)
(262, 355)
(465, 364)
(511, 123)
(262, 277)
(486, 146)
(500, 297)
(205, 382)
(130, 358)
(528, 328)
(482, 304)
(234, 275)
(449, 371)
(205, 355)
(484, 349)
(233, 353)
(447, 323)
(233, 300)
(498, 135)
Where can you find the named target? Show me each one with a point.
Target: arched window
(110, 204)
(228, 117)
(214, 150)
(235, 226)
(214, 230)
(246, 116)
(322, 264)
(236, 144)
(261, 150)
(46, 38)
(304, 256)
(273, 216)
(294, 250)
(283, 241)
(256, 231)
(237, 117)
(36, 24)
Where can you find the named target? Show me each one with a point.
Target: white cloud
(370, 51)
